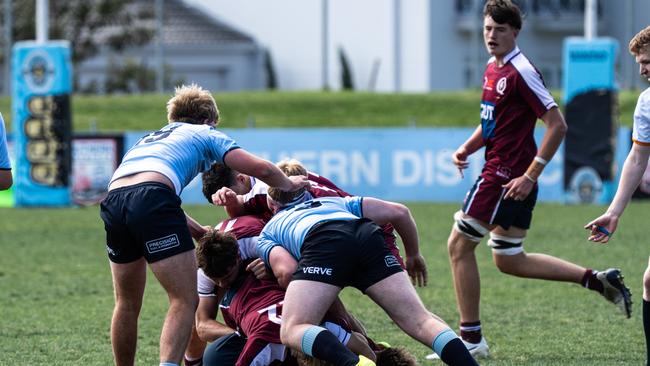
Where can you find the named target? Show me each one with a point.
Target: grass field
(56, 293)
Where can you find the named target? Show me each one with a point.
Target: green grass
(56, 292)
(296, 109)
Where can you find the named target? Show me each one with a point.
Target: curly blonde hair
(192, 104)
(640, 41)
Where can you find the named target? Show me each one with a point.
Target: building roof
(183, 24)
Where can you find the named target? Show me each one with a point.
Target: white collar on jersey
(515, 51)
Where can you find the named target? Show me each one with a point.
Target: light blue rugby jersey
(179, 151)
(5, 164)
(289, 227)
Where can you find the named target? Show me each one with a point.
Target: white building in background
(438, 44)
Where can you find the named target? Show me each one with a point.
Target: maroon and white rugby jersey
(253, 307)
(514, 97)
(246, 229)
(255, 200)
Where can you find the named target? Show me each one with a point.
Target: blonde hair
(192, 104)
(640, 41)
(291, 167)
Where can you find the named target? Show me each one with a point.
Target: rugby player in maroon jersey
(501, 202)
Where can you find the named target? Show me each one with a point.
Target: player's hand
(602, 228)
(518, 189)
(460, 160)
(224, 197)
(297, 182)
(416, 267)
(259, 269)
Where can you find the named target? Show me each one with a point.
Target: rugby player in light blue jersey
(319, 246)
(144, 221)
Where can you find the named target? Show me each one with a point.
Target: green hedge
(296, 109)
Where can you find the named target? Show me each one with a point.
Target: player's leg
(305, 304)
(509, 256)
(646, 310)
(398, 298)
(194, 350)
(471, 224)
(224, 351)
(463, 240)
(177, 275)
(128, 283)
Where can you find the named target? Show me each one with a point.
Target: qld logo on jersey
(501, 85)
(487, 119)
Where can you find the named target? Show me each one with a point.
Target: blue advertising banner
(403, 164)
(42, 83)
(590, 89)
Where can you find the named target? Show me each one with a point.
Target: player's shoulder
(644, 97)
(523, 65)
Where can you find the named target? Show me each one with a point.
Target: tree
(346, 71)
(87, 24)
(271, 80)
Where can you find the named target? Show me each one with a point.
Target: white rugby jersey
(179, 151)
(641, 129)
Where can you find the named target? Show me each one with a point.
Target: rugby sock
(646, 328)
(320, 343)
(471, 331)
(451, 349)
(590, 281)
(193, 361)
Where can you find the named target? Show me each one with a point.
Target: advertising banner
(42, 83)
(402, 164)
(94, 159)
(590, 97)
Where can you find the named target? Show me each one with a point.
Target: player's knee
(466, 233)
(504, 249)
(469, 227)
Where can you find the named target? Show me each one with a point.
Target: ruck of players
(293, 239)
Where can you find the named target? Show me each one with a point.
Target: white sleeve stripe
(533, 79)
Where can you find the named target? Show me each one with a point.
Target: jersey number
(309, 204)
(272, 313)
(158, 135)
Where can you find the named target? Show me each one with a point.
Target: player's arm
(473, 143)
(207, 327)
(633, 169)
(519, 188)
(196, 230)
(398, 215)
(283, 265)
(249, 164)
(231, 201)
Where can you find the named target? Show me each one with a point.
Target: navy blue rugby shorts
(144, 220)
(346, 253)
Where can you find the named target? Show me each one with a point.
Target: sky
(364, 29)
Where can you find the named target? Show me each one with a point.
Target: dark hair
(216, 253)
(215, 178)
(503, 12)
(395, 356)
